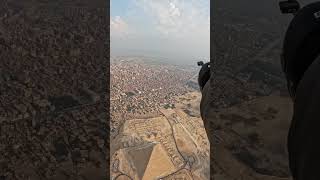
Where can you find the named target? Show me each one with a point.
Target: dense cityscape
(140, 86)
(53, 75)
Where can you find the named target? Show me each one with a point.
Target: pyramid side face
(140, 158)
(159, 164)
(124, 165)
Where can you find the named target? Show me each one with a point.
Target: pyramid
(140, 157)
(159, 164)
(150, 161)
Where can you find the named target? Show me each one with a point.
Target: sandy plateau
(173, 145)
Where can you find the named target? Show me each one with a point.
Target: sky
(176, 30)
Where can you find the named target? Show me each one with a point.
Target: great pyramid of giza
(155, 148)
(140, 158)
(150, 161)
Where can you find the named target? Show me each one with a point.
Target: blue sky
(119, 7)
(173, 29)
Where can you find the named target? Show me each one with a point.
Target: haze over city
(174, 30)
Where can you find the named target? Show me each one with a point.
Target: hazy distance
(171, 30)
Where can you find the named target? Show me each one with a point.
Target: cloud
(173, 27)
(118, 27)
(177, 17)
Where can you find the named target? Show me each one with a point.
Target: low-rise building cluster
(53, 71)
(140, 86)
